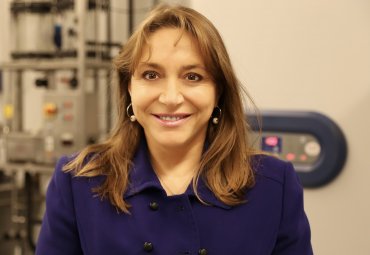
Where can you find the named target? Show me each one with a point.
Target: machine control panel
(65, 128)
(300, 148)
(311, 141)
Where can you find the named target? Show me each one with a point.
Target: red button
(303, 157)
(67, 104)
(68, 117)
(50, 109)
(290, 156)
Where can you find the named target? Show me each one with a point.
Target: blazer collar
(143, 177)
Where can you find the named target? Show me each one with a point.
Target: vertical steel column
(80, 10)
(108, 87)
(109, 25)
(131, 17)
(17, 101)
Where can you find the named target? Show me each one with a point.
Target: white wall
(311, 55)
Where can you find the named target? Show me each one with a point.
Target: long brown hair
(225, 165)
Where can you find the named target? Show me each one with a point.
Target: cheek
(141, 98)
(204, 98)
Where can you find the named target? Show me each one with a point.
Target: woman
(177, 175)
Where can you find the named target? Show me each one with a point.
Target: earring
(131, 116)
(216, 115)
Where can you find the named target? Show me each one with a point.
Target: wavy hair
(225, 166)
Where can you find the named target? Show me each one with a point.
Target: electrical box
(70, 123)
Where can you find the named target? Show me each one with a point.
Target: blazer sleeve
(294, 235)
(59, 233)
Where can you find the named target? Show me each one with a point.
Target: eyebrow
(183, 68)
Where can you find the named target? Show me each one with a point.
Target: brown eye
(193, 77)
(150, 75)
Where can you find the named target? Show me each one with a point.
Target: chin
(174, 139)
(170, 143)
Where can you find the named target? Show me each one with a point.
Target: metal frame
(13, 94)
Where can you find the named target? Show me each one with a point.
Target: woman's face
(172, 93)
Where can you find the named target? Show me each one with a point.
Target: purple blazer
(273, 220)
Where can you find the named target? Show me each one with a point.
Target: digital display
(297, 148)
(272, 144)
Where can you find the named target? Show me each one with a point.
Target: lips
(171, 117)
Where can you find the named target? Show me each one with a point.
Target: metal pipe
(109, 27)
(29, 187)
(131, 17)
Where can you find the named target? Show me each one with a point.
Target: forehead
(168, 41)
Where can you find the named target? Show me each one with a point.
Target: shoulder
(78, 158)
(59, 231)
(272, 168)
(68, 178)
(59, 174)
(61, 181)
(278, 189)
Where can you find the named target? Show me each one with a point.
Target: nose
(171, 94)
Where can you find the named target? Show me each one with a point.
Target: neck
(175, 160)
(175, 166)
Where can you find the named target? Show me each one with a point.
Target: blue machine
(311, 141)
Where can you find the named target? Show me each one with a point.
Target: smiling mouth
(171, 117)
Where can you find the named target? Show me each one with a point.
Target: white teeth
(169, 118)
